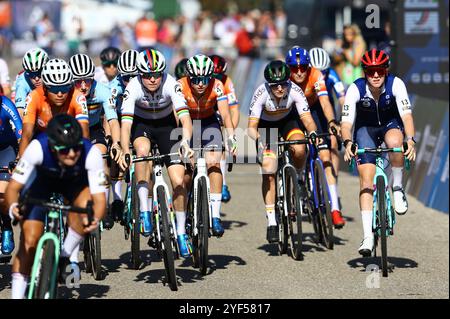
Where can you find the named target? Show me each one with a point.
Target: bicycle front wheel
(46, 283)
(95, 253)
(324, 209)
(294, 208)
(382, 213)
(135, 226)
(166, 241)
(203, 226)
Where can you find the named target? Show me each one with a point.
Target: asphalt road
(243, 265)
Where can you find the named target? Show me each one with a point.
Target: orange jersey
(314, 86)
(203, 107)
(39, 112)
(230, 93)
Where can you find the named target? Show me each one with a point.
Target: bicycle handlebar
(379, 151)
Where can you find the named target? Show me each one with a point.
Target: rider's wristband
(10, 212)
(332, 121)
(346, 142)
(411, 138)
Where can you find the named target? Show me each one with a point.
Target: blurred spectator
(146, 32)
(166, 33)
(349, 53)
(44, 32)
(281, 22)
(385, 44)
(245, 43)
(74, 35)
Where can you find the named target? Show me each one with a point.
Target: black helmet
(180, 69)
(220, 64)
(64, 130)
(110, 55)
(276, 72)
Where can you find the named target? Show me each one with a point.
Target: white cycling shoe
(400, 202)
(365, 249)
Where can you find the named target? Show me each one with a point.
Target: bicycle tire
(203, 226)
(292, 193)
(166, 242)
(95, 253)
(381, 208)
(44, 290)
(135, 226)
(283, 232)
(190, 221)
(324, 213)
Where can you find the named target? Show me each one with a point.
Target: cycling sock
(223, 164)
(397, 176)
(367, 222)
(150, 203)
(72, 240)
(216, 200)
(117, 190)
(181, 223)
(270, 213)
(334, 197)
(74, 255)
(142, 189)
(18, 285)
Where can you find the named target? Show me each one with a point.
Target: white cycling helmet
(82, 66)
(34, 60)
(150, 60)
(199, 65)
(127, 63)
(319, 58)
(57, 72)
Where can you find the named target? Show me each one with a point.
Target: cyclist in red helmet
(378, 108)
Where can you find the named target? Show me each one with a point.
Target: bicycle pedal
(151, 242)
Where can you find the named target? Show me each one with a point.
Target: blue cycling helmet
(297, 56)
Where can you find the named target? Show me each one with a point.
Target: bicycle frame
(128, 203)
(313, 157)
(390, 216)
(284, 165)
(202, 171)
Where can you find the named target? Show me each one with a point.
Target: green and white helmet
(34, 60)
(199, 65)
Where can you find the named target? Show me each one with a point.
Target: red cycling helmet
(375, 58)
(220, 65)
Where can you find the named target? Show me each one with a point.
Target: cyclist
(5, 85)
(57, 161)
(279, 104)
(180, 69)
(9, 141)
(108, 72)
(33, 61)
(310, 80)
(97, 96)
(203, 93)
(127, 68)
(320, 60)
(220, 67)
(378, 107)
(57, 95)
(148, 116)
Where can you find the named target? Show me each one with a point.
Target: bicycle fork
(201, 172)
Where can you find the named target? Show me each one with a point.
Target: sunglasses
(65, 150)
(302, 67)
(33, 75)
(108, 64)
(87, 81)
(370, 72)
(59, 88)
(283, 84)
(148, 76)
(201, 79)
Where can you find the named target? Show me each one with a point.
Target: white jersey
(100, 76)
(4, 73)
(265, 107)
(138, 101)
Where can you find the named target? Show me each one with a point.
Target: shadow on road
(228, 224)
(396, 262)
(84, 292)
(5, 276)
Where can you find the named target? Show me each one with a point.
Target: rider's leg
(142, 171)
(268, 169)
(176, 173)
(108, 222)
(215, 178)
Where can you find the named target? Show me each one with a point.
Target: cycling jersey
(23, 88)
(39, 112)
(230, 92)
(140, 102)
(9, 113)
(4, 74)
(117, 89)
(265, 107)
(360, 106)
(100, 96)
(313, 86)
(334, 84)
(203, 107)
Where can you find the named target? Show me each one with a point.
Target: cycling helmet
(63, 130)
(82, 66)
(57, 72)
(127, 62)
(199, 65)
(150, 61)
(180, 69)
(34, 60)
(319, 58)
(375, 58)
(297, 56)
(276, 72)
(110, 55)
(220, 65)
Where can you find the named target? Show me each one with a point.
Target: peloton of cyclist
(57, 161)
(279, 104)
(378, 108)
(180, 69)
(312, 84)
